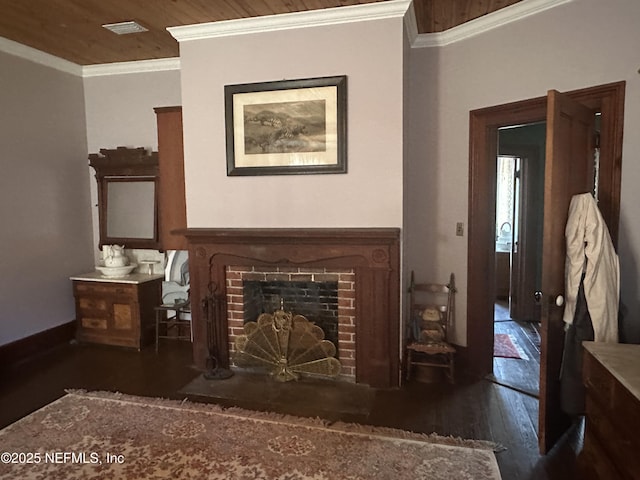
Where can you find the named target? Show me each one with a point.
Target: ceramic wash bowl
(116, 271)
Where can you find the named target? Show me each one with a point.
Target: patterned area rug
(506, 346)
(108, 435)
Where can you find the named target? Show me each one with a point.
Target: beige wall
(579, 44)
(370, 195)
(120, 107)
(119, 111)
(44, 196)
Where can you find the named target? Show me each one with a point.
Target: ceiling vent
(124, 28)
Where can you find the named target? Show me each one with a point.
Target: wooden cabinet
(116, 311)
(172, 211)
(612, 436)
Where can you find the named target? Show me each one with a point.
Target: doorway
(518, 233)
(608, 100)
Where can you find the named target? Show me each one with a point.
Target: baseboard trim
(20, 350)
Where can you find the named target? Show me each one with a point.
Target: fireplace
(325, 296)
(369, 256)
(316, 300)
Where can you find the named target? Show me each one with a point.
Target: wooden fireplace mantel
(373, 254)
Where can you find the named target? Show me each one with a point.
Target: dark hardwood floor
(477, 409)
(521, 374)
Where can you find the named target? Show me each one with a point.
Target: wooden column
(172, 211)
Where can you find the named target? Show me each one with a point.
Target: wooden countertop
(622, 360)
(135, 278)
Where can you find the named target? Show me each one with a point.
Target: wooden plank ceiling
(71, 29)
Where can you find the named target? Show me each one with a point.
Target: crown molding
(138, 66)
(37, 56)
(57, 63)
(287, 21)
(411, 24)
(312, 18)
(512, 13)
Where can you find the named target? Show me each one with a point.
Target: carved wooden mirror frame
(116, 166)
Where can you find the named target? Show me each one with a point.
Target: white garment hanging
(590, 251)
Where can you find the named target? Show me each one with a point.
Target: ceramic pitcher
(113, 256)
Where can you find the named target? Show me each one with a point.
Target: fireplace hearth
(371, 256)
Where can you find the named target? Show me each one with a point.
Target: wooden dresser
(117, 311)
(612, 437)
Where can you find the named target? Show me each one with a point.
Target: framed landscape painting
(286, 127)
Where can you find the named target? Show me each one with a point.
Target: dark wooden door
(569, 170)
(527, 235)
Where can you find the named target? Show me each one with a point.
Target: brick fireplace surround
(372, 254)
(345, 299)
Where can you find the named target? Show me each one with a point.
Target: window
(505, 202)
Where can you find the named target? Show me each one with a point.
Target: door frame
(484, 123)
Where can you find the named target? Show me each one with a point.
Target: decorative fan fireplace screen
(288, 346)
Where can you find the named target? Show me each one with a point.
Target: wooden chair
(431, 315)
(173, 320)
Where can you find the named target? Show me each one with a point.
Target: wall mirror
(127, 196)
